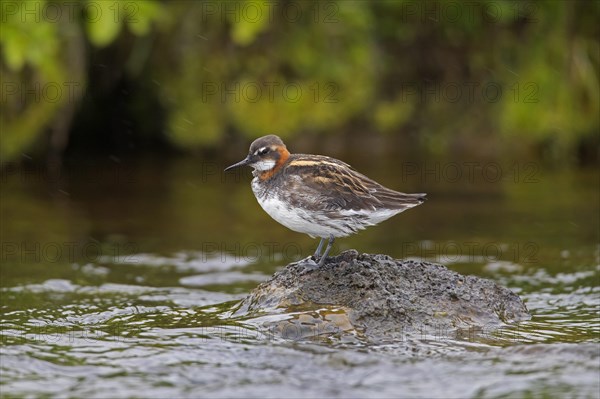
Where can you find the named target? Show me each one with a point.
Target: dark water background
(118, 278)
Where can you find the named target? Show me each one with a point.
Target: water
(120, 278)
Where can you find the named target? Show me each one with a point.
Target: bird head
(265, 154)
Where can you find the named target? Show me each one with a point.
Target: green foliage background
(194, 73)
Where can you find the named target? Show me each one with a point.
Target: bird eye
(263, 151)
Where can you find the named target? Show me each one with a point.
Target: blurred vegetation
(193, 74)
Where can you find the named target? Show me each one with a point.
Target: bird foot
(319, 260)
(310, 264)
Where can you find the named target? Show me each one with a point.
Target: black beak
(243, 162)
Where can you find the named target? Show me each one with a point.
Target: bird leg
(329, 245)
(319, 248)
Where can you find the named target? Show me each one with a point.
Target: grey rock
(377, 297)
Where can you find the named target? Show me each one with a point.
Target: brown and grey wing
(336, 186)
(332, 185)
(385, 198)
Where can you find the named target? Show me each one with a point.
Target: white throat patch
(263, 165)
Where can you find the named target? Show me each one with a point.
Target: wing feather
(338, 186)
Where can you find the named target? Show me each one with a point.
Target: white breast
(295, 219)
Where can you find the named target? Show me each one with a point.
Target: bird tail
(395, 200)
